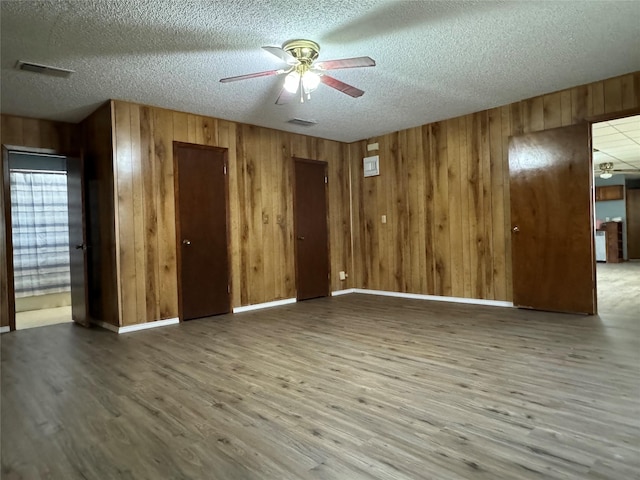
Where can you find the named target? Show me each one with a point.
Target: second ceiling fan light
(309, 81)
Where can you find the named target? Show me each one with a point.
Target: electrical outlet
(383, 219)
(343, 276)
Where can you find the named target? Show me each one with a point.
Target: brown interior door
(312, 235)
(77, 241)
(201, 209)
(552, 220)
(7, 293)
(633, 224)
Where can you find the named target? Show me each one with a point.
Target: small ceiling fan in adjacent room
(606, 170)
(304, 74)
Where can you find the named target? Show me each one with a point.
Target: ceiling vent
(43, 69)
(302, 123)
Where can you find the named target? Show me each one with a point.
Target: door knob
(300, 237)
(82, 246)
(516, 229)
(186, 242)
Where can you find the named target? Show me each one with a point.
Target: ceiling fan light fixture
(310, 81)
(606, 168)
(303, 75)
(291, 82)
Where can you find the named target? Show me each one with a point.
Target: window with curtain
(40, 224)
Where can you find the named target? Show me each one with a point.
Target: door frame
(176, 191)
(295, 226)
(605, 117)
(5, 191)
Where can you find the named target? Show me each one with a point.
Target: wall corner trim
(5, 329)
(260, 306)
(437, 298)
(343, 292)
(139, 326)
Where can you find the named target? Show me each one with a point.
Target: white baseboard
(287, 301)
(436, 298)
(260, 306)
(343, 292)
(139, 326)
(5, 329)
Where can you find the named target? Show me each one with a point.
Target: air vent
(302, 123)
(43, 69)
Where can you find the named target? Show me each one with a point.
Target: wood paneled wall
(37, 134)
(97, 130)
(31, 132)
(444, 188)
(260, 205)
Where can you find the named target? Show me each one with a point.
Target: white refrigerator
(601, 246)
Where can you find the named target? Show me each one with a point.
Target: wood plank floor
(619, 287)
(351, 387)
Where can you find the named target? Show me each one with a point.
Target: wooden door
(311, 231)
(633, 224)
(552, 220)
(202, 241)
(7, 293)
(77, 241)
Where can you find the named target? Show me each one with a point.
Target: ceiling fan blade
(268, 73)
(281, 54)
(341, 86)
(345, 63)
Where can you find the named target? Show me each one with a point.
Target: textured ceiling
(618, 142)
(435, 60)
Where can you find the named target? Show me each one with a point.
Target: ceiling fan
(606, 170)
(304, 74)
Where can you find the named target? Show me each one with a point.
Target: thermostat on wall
(371, 166)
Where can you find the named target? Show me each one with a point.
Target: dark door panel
(311, 231)
(552, 220)
(633, 224)
(201, 209)
(77, 241)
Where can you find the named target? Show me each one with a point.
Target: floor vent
(302, 123)
(43, 69)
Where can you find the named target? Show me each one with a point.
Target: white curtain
(40, 224)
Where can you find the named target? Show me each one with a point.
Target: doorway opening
(616, 170)
(40, 239)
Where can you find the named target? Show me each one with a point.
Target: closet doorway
(46, 233)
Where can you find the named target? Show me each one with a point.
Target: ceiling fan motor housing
(606, 166)
(305, 51)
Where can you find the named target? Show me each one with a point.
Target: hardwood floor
(43, 318)
(351, 387)
(619, 288)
